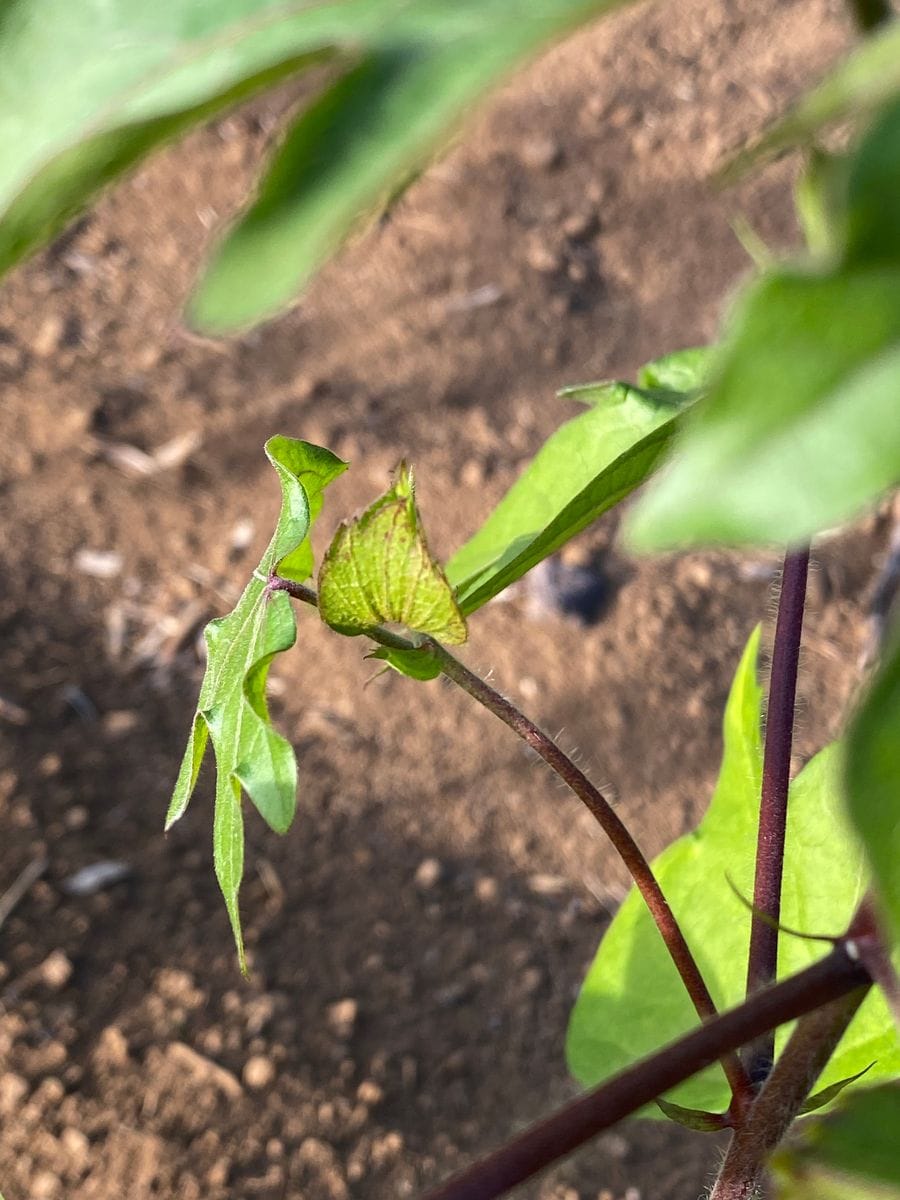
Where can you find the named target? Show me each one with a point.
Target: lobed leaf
(872, 774)
(379, 569)
(851, 1154)
(632, 1001)
(231, 709)
(798, 431)
(88, 89)
(585, 468)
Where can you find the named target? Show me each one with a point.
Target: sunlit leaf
(798, 430)
(232, 710)
(850, 1154)
(873, 781)
(379, 570)
(87, 89)
(633, 1001)
(585, 468)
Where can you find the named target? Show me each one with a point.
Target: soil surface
(416, 941)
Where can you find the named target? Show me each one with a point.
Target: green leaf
(820, 198)
(232, 708)
(417, 664)
(873, 790)
(825, 1096)
(799, 429)
(680, 371)
(633, 1001)
(691, 1118)
(851, 1154)
(88, 89)
(863, 81)
(586, 467)
(378, 569)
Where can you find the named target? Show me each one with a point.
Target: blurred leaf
(633, 1001)
(866, 79)
(378, 569)
(88, 89)
(680, 371)
(873, 790)
(799, 429)
(586, 467)
(851, 1154)
(820, 197)
(232, 708)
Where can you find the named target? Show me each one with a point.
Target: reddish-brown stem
(597, 804)
(763, 955)
(558, 1135)
(618, 833)
(793, 1077)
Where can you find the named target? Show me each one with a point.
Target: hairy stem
(558, 1135)
(615, 829)
(763, 956)
(801, 1063)
(869, 14)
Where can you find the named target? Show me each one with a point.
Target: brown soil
(401, 1017)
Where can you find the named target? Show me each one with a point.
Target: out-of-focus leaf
(850, 1154)
(866, 79)
(586, 467)
(232, 710)
(798, 430)
(873, 772)
(633, 1001)
(820, 198)
(680, 371)
(379, 569)
(88, 89)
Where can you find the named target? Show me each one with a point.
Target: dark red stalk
(763, 955)
(541, 1145)
(793, 1077)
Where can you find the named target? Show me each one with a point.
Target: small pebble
(259, 1072)
(342, 1016)
(580, 225)
(369, 1093)
(543, 258)
(56, 970)
(428, 873)
(486, 889)
(112, 1048)
(48, 337)
(540, 153)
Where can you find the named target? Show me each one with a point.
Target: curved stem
(596, 803)
(800, 1064)
(558, 1135)
(617, 832)
(776, 774)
